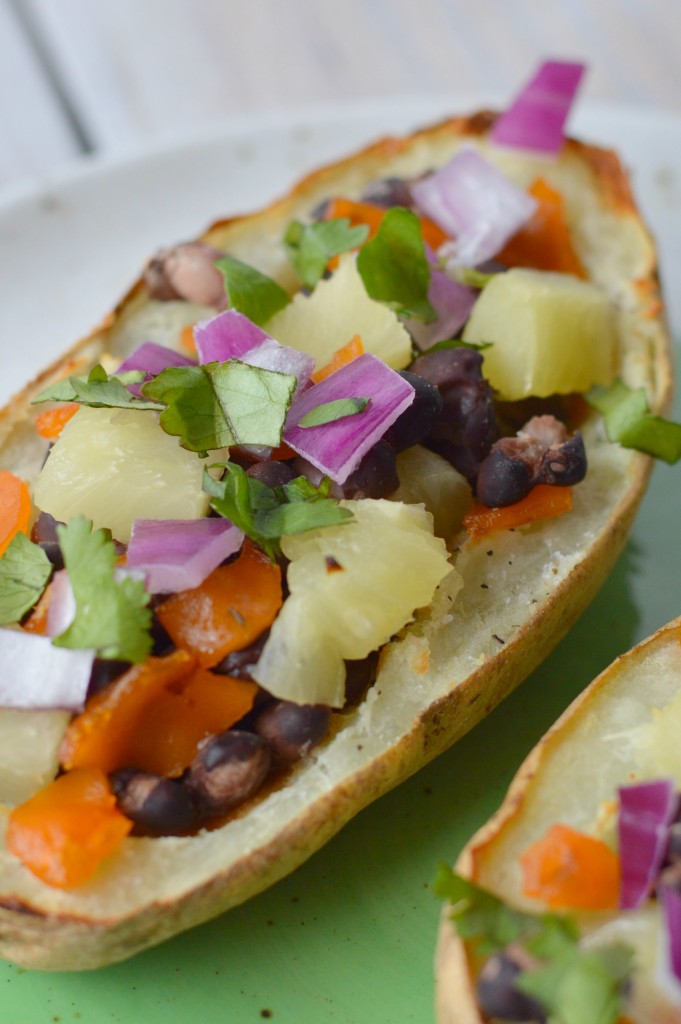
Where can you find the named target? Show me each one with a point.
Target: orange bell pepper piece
(567, 868)
(15, 508)
(543, 502)
(230, 609)
(155, 716)
(544, 242)
(50, 422)
(341, 357)
(372, 215)
(187, 339)
(64, 832)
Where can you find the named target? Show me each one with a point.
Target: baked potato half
(439, 676)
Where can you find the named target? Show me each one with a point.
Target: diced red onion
(647, 810)
(152, 359)
(671, 904)
(536, 119)
(62, 607)
(337, 448)
(228, 335)
(270, 355)
(475, 204)
(452, 302)
(38, 676)
(178, 554)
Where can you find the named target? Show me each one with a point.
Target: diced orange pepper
(544, 242)
(341, 357)
(37, 622)
(50, 422)
(15, 508)
(187, 339)
(230, 609)
(155, 716)
(372, 216)
(543, 502)
(64, 832)
(567, 868)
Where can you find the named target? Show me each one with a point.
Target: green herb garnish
(111, 615)
(222, 404)
(329, 412)
(99, 390)
(394, 268)
(25, 571)
(311, 246)
(254, 294)
(265, 514)
(628, 420)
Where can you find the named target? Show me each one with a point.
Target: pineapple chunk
(117, 465)
(352, 587)
(29, 751)
(337, 310)
(427, 477)
(550, 333)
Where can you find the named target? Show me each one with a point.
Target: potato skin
(134, 903)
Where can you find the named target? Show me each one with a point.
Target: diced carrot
(187, 339)
(341, 357)
(543, 502)
(283, 453)
(50, 422)
(64, 832)
(544, 242)
(37, 622)
(230, 609)
(372, 216)
(155, 716)
(15, 508)
(567, 868)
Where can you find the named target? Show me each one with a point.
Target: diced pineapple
(117, 465)
(550, 333)
(428, 478)
(352, 587)
(337, 310)
(29, 746)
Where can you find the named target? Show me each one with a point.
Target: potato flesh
(117, 465)
(550, 334)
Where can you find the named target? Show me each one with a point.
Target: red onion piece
(37, 676)
(228, 335)
(270, 355)
(671, 905)
(452, 302)
(62, 607)
(474, 203)
(178, 554)
(338, 448)
(536, 119)
(647, 810)
(152, 359)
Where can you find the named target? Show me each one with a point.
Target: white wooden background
(107, 75)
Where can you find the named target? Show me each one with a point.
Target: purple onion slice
(452, 302)
(647, 809)
(228, 335)
(536, 119)
(178, 554)
(671, 906)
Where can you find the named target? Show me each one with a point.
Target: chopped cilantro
(98, 389)
(457, 343)
(265, 514)
(254, 294)
(311, 246)
(471, 276)
(628, 420)
(222, 404)
(329, 412)
(394, 268)
(25, 570)
(111, 615)
(574, 986)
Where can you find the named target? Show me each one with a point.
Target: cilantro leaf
(471, 276)
(581, 987)
(311, 246)
(222, 404)
(265, 514)
(456, 343)
(25, 570)
(99, 390)
(478, 914)
(329, 412)
(394, 268)
(254, 294)
(628, 421)
(111, 615)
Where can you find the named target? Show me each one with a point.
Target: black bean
(389, 192)
(158, 806)
(360, 673)
(565, 465)
(104, 672)
(418, 419)
(274, 473)
(44, 533)
(239, 663)
(502, 480)
(498, 995)
(376, 476)
(187, 271)
(228, 769)
(674, 847)
(293, 729)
